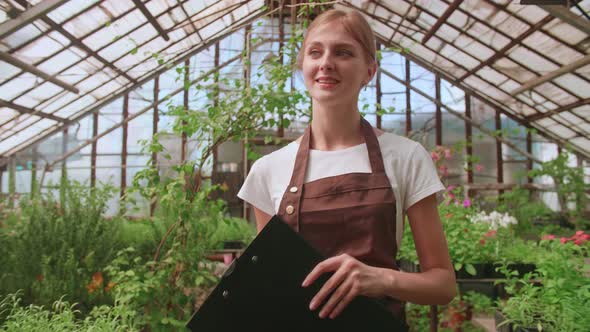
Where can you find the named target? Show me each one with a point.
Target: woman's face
(335, 66)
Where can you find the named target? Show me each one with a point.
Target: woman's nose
(327, 62)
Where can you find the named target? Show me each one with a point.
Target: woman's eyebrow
(337, 45)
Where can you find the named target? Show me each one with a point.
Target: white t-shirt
(408, 166)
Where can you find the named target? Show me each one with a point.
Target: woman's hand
(351, 278)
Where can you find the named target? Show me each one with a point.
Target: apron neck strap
(302, 158)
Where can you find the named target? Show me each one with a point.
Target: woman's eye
(344, 52)
(314, 52)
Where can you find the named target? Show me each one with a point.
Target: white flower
(494, 219)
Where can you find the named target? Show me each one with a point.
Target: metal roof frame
(444, 36)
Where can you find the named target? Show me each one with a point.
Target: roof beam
(24, 110)
(442, 19)
(502, 52)
(460, 115)
(549, 76)
(151, 19)
(78, 43)
(33, 70)
(29, 16)
(156, 72)
(137, 64)
(536, 117)
(142, 111)
(492, 103)
(563, 13)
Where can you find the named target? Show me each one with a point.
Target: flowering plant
(494, 219)
(579, 238)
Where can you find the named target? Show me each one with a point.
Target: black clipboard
(261, 291)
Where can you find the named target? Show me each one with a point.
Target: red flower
(548, 237)
(95, 283)
(109, 286)
(563, 240)
(482, 241)
(491, 233)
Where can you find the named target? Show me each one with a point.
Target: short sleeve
(255, 189)
(422, 179)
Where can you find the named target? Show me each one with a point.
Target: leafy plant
(55, 248)
(519, 203)
(555, 297)
(63, 316)
(571, 186)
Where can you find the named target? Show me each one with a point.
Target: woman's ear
(371, 72)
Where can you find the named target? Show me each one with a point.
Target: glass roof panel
(7, 70)
(551, 48)
(474, 42)
(531, 14)
(574, 84)
(84, 24)
(564, 32)
(6, 114)
(25, 34)
(25, 135)
(16, 125)
(16, 86)
(69, 9)
(60, 61)
(42, 47)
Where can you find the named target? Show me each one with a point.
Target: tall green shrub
(60, 249)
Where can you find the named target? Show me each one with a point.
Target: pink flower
(448, 154)
(466, 203)
(578, 242)
(585, 237)
(578, 233)
(444, 170)
(435, 156)
(491, 233)
(548, 237)
(451, 188)
(563, 240)
(479, 167)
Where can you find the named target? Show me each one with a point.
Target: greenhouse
(134, 133)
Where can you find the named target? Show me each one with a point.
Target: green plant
(555, 297)
(571, 186)
(56, 248)
(481, 304)
(232, 229)
(519, 203)
(63, 316)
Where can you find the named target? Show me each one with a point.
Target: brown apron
(350, 213)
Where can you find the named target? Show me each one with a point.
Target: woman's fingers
(348, 297)
(336, 298)
(328, 265)
(330, 285)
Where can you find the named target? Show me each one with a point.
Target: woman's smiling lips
(326, 82)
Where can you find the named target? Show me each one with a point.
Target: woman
(345, 186)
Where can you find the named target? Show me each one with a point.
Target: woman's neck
(335, 128)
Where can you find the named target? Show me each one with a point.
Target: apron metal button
(290, 209)
(293, 189)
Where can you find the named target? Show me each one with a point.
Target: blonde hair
(353, 22)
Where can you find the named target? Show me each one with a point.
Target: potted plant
(555, 297)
